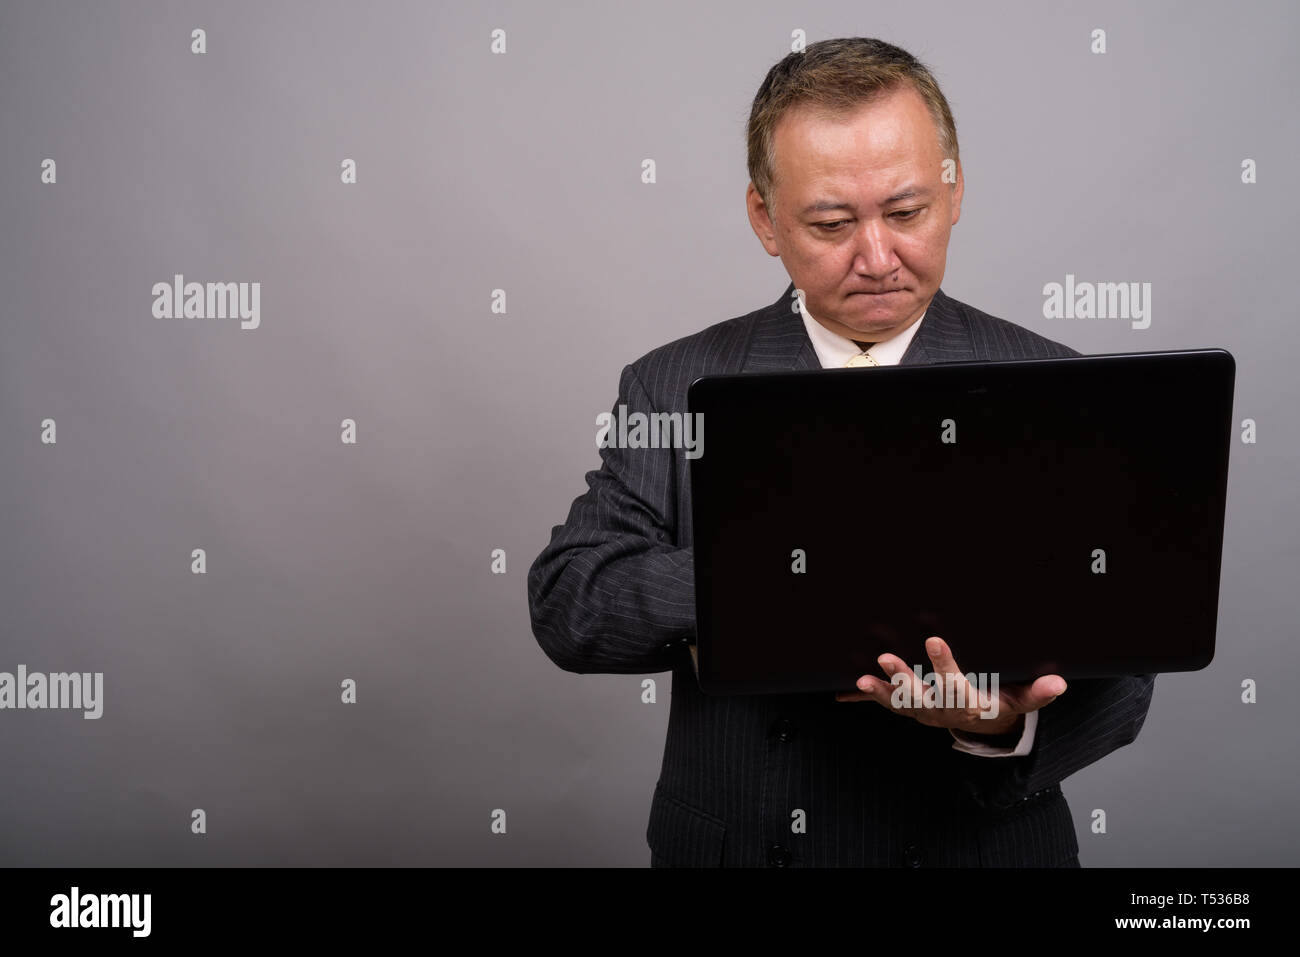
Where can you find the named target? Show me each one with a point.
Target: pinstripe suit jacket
(613, 592)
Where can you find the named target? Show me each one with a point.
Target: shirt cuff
(972, 745)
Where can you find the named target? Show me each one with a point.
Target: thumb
(1046, 690)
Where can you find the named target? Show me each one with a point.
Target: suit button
(783, 730)
(913, 855)
(778, 856)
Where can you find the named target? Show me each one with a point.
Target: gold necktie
(858, 362)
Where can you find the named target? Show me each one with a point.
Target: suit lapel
(942, 337)
(779, 342)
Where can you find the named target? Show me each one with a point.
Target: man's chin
(876, 323)
(872, 330)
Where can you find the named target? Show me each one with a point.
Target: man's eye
(832, 226)
(906, 213)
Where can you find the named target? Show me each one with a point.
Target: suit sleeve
(1094, 717)
(613, 593)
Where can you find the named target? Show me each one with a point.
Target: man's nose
(875, 254)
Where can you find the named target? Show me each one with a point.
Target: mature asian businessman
(855, 183)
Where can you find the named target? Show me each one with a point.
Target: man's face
(861, 214)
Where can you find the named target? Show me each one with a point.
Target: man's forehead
(901, 105)
(832, 153)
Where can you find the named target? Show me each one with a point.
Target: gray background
(522, 172)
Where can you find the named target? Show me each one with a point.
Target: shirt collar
(834, 350)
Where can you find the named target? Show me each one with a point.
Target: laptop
(1048, 516)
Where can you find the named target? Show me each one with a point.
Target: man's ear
(760, 219)
(957, 189)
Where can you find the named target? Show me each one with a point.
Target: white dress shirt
(833, 352)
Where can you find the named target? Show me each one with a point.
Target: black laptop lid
(1056, 516)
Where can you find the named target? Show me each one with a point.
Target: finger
(893, 665)
(905, 693)
(899, 675)
(1045, 690)
(941, 656)
(1025, 698)
(871, 688)
(950, 676)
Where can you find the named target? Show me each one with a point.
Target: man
(855, 183)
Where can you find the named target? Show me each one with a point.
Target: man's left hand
(1010, 703)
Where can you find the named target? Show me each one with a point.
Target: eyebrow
(826, 205)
